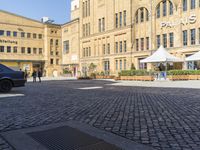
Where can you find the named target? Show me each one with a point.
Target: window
(57, 53)
(89, 51)
(125, 46)
(141, 15)
(22, 34)
(192, 4)
(99, 25)
(116, 64)
(171, 39)
(147, 15)
(193, 36)
(34, 50)
(121, 47)
(120, 65)
(1, 49)
(15, 49)
(23, 50)
(40, 50)
(147, 43)
(1, 32)
(88, 7)
(34, 36)
(165, 40)
(120, 19)
(116, 47)
(51, 61)
(116, 20)
(142, 43)
(28, 35)
(8, 33)
(158, 11)
(66, 46)
(8, 49)
(158, 41)
(124, 17)
(15, 34)
(171, 8)
(184, 5)
(57, 61)
(83, 10)
(29, 50)
(40, 36)
(136, 17)
(185, 38)
(103, 24)
(104, 49)
(57, 42)
(137, 44)
(124, 64)
(164, 8)
(51, 42)
(108, 48)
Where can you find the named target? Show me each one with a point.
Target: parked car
(10, 78)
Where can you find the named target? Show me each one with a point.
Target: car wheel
(5, 86)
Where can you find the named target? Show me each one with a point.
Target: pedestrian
(26, 74)
(39, 75)
(34, 75)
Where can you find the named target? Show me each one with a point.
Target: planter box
(194, 77)
(178, 77)
(105, 77)
(137, 78)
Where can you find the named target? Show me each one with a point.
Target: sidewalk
(53, 78)
(195, 84)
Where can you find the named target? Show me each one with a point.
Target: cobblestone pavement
(166, 119)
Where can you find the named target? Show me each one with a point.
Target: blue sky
(58, 10)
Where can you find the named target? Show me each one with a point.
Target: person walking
(34, 75)
(39, 75)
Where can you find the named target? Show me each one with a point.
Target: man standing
(34, 74)
(39, 75)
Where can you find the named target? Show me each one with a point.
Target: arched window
(136, 17)
(184, 5)
(147, 15)
(158, 11)
(171, 11)
(164, 8)
(192, 4)
(141, 15)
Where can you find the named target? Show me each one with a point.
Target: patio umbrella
(194, 57)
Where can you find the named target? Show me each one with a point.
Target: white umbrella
(161, 55)
(194, 57)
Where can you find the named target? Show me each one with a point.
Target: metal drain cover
(67, 138)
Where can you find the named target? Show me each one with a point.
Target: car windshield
(5, 68)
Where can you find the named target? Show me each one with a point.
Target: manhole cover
(67, 138)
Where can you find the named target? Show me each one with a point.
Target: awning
(194, 57)
(161, 55)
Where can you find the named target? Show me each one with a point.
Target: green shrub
(183, 72)
(136, 73)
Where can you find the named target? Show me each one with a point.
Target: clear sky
(58, 10)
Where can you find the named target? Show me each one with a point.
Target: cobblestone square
(162, 118)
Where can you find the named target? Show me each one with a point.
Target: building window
(136, 17)
(116, 47)
(99, 25)
(8, 33)
(51, 42)
(124, 64)
(116, 20)
(171, 8)
(23, 50)
(125, 47)
(34, 36)
(137, 44)
(1, 32)
(124, 17)
(15, 49)
(15, 34)
(104, 49)
(120, 19)
(57, 61)
(121, 47)
(51, 61)
(57, 42)
(28, 35)
(66, 47)
(1, 49)
(88, 7)
(107, 67)
(158, 11)
(192, 4)
(164, 8)
(158, 41)
(22, 34)
(8, 49)
(147, 15)
(141, 15)
(29, 50)
(116, 64)
(171, 39)
(40, 36)
(103, 24)
(142, 43)
(185, 38)
(108, 48)
(147, 43)
(34, 50)
(40, 51)
(193, 36)
(165, 40)
(184, 5)
(120, 65)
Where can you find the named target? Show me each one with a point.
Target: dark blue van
(10, 78)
